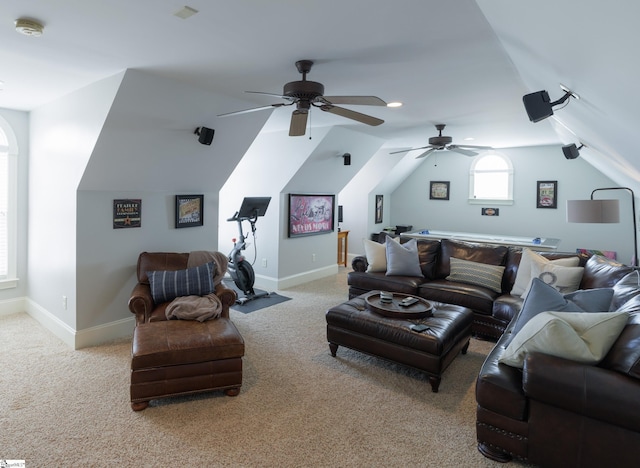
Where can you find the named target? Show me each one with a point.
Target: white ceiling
(464, 63)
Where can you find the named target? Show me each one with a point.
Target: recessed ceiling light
(394, 104)
(185, 12)
(469, 139)
(29, 27)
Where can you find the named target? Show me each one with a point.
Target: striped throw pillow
(479, 274)
(167, 285)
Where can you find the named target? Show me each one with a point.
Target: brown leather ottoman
(177, 357)
(352, 325)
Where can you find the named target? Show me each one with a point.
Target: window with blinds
(4, 206)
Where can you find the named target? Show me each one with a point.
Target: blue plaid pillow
(167, 285)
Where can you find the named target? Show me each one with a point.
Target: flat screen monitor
(254, 207)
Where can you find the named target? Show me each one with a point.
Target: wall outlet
(64, 302)
(264, 263)
(313, 257)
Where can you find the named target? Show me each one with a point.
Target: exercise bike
(240, 270)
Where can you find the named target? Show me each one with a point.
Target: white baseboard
(78, 339)
(12, 306)
(52, 323)
(294, 280)
(99, 334)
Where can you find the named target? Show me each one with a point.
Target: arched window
(491, 179)
(8, 205)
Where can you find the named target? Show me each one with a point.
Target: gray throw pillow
(544, 298)
(402, 259)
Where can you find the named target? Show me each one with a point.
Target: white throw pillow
(578, 336)
(523, 276)
(376, 254)
(564, 279)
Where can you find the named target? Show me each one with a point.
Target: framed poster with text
(310, 214)
(189, 210)
(127, 213)
(547, 194)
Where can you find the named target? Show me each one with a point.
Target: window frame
(11, 150)
(472, 173)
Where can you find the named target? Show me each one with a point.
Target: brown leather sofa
(178, 357)
(492, 310)
(560, 413)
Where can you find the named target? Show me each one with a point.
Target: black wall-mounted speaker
(570, 151)
(538, 106)
(339, 213)
(205, 135)
(347, 159)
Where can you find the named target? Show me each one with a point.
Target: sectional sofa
(561, 385)
(493, 303)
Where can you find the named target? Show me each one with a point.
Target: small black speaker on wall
(571, 151)
(538, 106)
(205, 135)
(339, 213)
(347, 159)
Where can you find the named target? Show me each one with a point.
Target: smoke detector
(29, 27)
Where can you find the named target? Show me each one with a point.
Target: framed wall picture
(439, 190)
(547, 194)
(127, 213)
(379, 202)
(189, 210)
(310, 214)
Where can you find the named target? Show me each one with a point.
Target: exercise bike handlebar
(251, 219)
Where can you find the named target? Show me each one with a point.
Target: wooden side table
(343, 237)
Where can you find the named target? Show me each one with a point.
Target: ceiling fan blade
(410, 149)
(271, 94)
(473, 147)
(355, 100)
(253, 109)
(457, 149)
(349, 114)
(426, 153)
(298, 125)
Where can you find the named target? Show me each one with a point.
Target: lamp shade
(593, 211)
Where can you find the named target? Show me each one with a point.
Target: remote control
(408, 301)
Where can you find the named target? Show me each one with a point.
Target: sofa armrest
(227, 296)
(141, 302)
(584, 389)
(359, 263)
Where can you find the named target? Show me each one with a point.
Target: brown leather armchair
(141, 302)
(179, 357)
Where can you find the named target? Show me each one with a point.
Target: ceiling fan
(442, 142)
(305, 94)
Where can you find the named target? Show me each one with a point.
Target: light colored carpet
(298, 406)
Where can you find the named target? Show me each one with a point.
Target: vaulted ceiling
(464, 63)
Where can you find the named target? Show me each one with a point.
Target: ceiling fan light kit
(305, 94)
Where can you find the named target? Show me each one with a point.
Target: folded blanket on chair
(198, 308)
(200, 257)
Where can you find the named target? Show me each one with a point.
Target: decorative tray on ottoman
(393, 308)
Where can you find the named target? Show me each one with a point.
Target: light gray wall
(277, 165)
(62, 137)
(576, 179)
(130, 136)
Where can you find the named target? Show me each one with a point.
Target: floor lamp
(603, 211)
